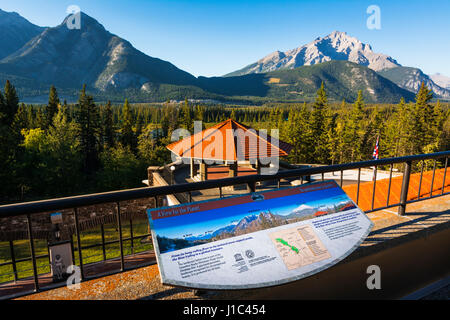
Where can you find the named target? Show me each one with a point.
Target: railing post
(119, 224)
(13, 259)
(251, 186)
(77, 230)
(405, 187)
(102, 229)
(374, 185)
(131, 236)
(445, 172)
(72, 248)
(33, 254)
(357, 188)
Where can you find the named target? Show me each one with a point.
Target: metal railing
(31, 208)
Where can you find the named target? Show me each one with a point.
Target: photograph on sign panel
(175, 233)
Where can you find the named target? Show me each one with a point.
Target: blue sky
(212, 38)
(200, 222)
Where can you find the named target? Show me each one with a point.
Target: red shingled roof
(231, 141)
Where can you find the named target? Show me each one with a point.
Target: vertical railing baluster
(190, 196)
(119, 224)
(48, 253)
(390, 181)
(13, 259)
(374, 185)
(33, 254)
(357, 188)
(279, 183)
(102, 229)
(445, 172)
(405, 187)
(432, 179)
(77, 230)
(220, 192)
(72, 248)
(342, 178)
(131, 236)
(323, 176)
(420, 181)
(301, 180)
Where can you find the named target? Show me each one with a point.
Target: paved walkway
(90, 271)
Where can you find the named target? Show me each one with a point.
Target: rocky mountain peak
(335, 46)
(15, 31)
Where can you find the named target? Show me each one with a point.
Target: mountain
(411, 78)
(15, 31)
(441, 80)
(335, 46)
(342, 80)
(247, 224)
(113, 69)
(301, 211)
(340, 46)
(92, 55)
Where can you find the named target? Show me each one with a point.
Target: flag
(375, 151)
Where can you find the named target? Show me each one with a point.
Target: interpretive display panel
(256, 240)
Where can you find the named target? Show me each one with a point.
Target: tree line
(61, 149)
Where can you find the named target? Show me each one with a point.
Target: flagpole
(375, 157)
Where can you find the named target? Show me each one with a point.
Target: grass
(90, 237)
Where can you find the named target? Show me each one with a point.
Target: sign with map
(256, 240)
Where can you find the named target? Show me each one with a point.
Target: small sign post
(60, 251)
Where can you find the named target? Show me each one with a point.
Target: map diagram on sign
(299, 246)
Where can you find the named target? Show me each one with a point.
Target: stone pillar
(258, 166)
(233, 169)
(193, 168)
(150, 171)
(203, 171)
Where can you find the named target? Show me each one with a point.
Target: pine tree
(355, 130)
(318, 126)
(333, 139)
(20, 119)
(40, 119)
(127, 134)
(2, 109)
(52, 107)
(89, 131)
(298, 134)
(10, 103)
(186, 118)
(108, 126)
(422, 120)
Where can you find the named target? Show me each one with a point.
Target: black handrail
(147, 192)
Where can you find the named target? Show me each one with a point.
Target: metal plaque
(256, 240)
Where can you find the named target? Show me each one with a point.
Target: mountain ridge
(91, 55)
(335, 46)
(339, 46)
(113, 69)
(15, 31)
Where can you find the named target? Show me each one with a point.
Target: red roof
(231, 141)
